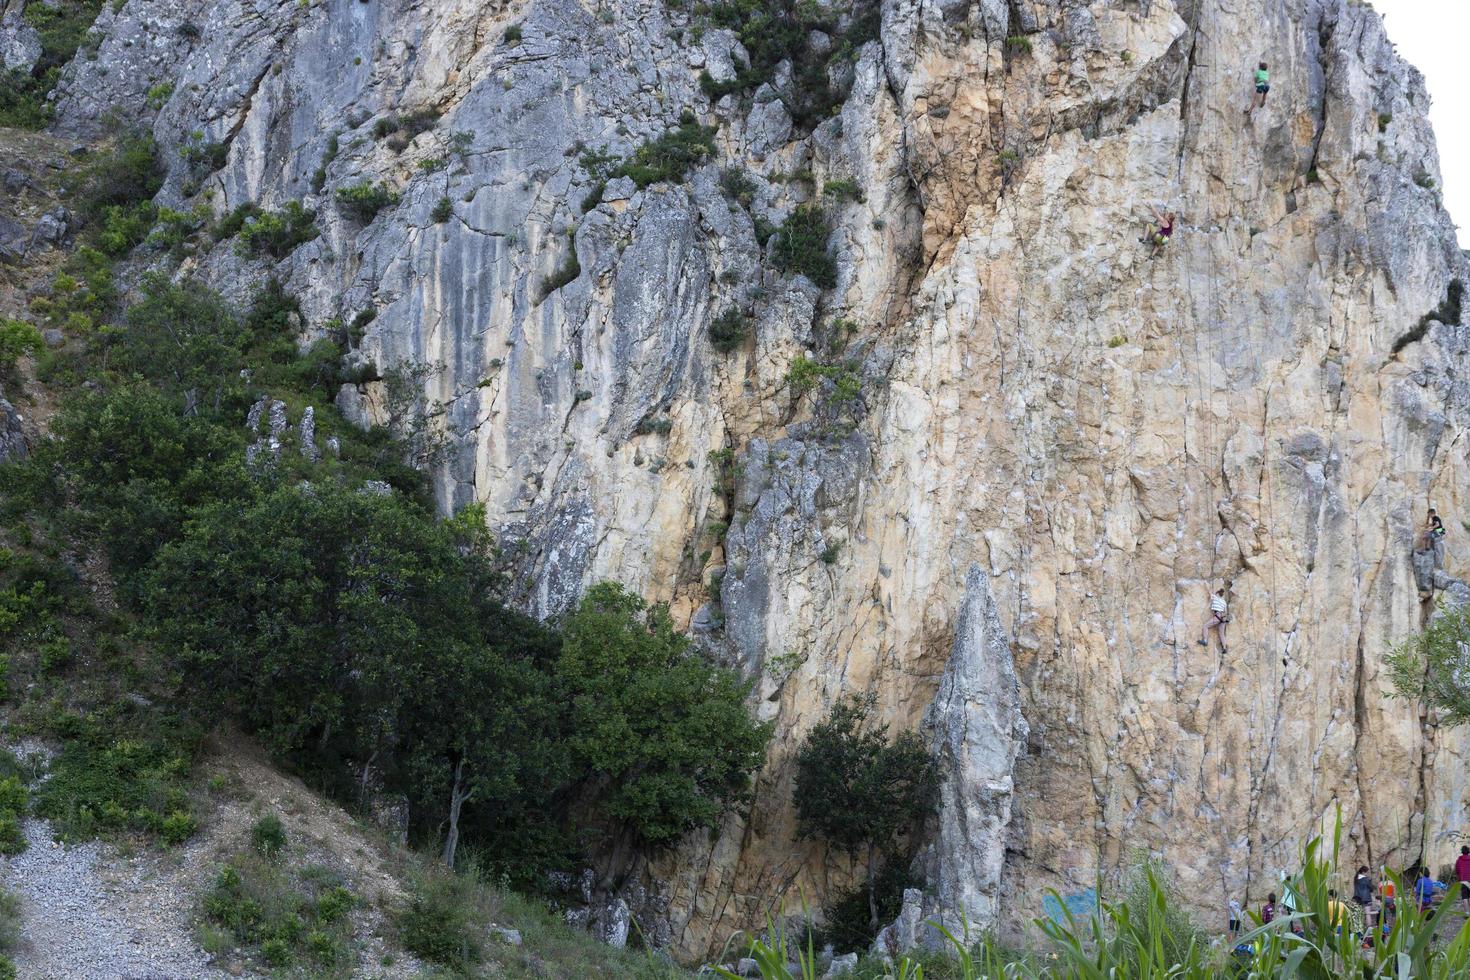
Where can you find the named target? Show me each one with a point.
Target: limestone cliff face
(1103, 436)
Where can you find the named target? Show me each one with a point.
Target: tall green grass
(1142, 936)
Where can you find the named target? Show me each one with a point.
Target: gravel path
(83, 919)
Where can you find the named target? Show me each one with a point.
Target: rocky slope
(1035, 450)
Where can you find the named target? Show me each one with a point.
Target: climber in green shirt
(1263, 85)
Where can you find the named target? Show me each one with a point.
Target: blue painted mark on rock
(1080, 904)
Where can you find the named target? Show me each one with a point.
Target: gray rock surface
(976, 732)
(1105, 435)
(13, 443)
(20, 45)
(51, 228)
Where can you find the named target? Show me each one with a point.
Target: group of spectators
(1373, 905)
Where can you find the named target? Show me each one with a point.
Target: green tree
(311, 611)
(660, 737)
(859, 791)
(185, 337)
(135, 465)
(1433, 666)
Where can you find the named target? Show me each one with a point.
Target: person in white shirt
(1217, 621)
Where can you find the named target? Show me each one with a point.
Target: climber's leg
(1212, 625)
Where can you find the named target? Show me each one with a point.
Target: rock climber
(1263, 85)
(1462, 872)
(1158, 237)
(1217, 621)
(1432, 535)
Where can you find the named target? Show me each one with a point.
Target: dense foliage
(62, 27)
(1432, 666)
(859, 791)
(318, 602)
(800, 246)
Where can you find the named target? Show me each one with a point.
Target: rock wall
(1106, 436)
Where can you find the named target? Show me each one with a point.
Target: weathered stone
(51, 228)
(20, 44)
(13, 444)
(841, 966)
(1108, 436)
(976, 732)
(53, 337)
(307, 435)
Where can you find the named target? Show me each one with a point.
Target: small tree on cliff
(859, 791)
(1433, 667)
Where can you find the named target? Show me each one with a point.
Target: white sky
(1432, 36)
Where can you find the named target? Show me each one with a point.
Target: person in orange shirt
(1385, 892)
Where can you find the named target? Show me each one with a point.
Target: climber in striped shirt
(1218, 619)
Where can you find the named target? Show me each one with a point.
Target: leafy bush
(738, 185)
(776, 31)
(23, 99)
(661, 734)
(1448, 312)
(62, 28)
(282, 919)
(103, 783)
(124, 227)
(844, 190)
(729, 330)
(362, 202)
(404, 128)
(805, 374)
(12, 838)
(268, 836)
(439, 922)
(17, 339)
(858, 790)
(126, 173)
(443, 211)
(670, 156)
(565, 273)
(278, 233)
(801, 246)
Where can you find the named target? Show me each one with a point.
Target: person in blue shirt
(1426, 889)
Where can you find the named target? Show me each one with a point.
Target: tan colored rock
(1107, 436)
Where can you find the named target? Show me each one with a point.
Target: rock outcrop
(1009, 382)
(976, 731)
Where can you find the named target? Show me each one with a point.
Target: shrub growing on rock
(860, 791)
(801, 246)
(729, 330)
(362, 202)
(671, 155)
